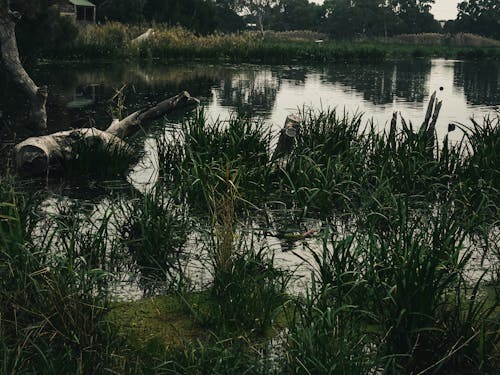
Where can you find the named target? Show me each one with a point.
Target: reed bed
(457, 40)
(392, 292)
(114, 40)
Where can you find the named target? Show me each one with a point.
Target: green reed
(99, 160)
(154, 231)
(338, 164)
(53, 292)
(327, 340)
(409, 292)
(394, 292)
(209, 151)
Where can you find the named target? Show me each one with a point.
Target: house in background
(82, 11)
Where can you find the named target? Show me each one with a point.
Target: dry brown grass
(456, 40)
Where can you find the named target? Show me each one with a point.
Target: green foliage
(401, 286)
(296, 15)
(478, 17)
(199, 166)
(52, 295)
(347, 19)
(41, 30)
(197, 15)
(127, 11)
(98, 159)
(155, 233)
(249, 295)
(114, 40)
(325, 340)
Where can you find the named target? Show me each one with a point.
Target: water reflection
(381, 84)
(252, 92)
(80, 93)
(480, 82)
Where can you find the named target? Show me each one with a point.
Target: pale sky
(442, 9)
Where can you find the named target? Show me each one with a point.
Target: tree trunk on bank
(46, 154)
(10, 55)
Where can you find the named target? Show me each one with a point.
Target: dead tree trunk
(144, 37)
(10, 55)
(46, 154)
(286, 141)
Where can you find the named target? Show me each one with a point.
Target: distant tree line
(478, 17)
(338, 18)
(43, 28)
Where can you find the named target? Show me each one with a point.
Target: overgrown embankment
(114, 40)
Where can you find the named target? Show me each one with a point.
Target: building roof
(82, 3)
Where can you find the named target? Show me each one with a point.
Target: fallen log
(47, 154)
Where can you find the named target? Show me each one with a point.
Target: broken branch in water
(45, 154)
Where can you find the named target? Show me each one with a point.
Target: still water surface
(80, 92)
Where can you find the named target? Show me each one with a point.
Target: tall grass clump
(400, 301)
(326, 340)
(208, 151)
(98, 159)
(112, 40)
(323, 170)
(478, 189)
(248, 292)
(411, 162)
(53, 295)
(457, 40)
(107, 41)
(416, 271)
(155, 232)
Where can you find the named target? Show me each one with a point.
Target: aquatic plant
(52, 295)
(154, 231)
(208, 152)
(93, 159)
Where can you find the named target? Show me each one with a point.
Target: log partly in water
(46, 154)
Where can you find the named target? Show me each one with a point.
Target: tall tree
(479, 17)
(257, 8)
(37, 96)
(351, 18)
(42, 29)
(129, 11)
(196, 15)
(297, 15)
(416, 15)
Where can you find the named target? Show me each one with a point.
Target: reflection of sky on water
(469, 89)
(377, 97)
(271, 92)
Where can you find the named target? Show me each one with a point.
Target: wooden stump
(286, 141)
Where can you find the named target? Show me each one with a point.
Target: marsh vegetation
(398, 273)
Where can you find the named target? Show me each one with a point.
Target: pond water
(80, 93)
(80, 96)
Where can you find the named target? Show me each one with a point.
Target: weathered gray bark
(133, 122)
(10, 55)
(431, 116)
(144, 36)
(286, 140)
(46, 154)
